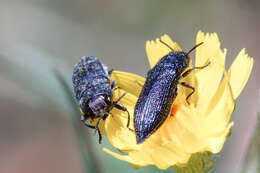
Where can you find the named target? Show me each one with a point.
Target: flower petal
(239, 72)
(209, 77)
(116, 125)
(119, 135)
(169, 154)
(131, 83)
(216, 144)
(155, 50)
(208, 49)
(216, 126)
(137, 161)
(221, 106)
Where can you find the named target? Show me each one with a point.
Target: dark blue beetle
(91, 82)
(159, 92)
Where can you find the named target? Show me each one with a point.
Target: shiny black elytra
(91, 82)
(159, 92)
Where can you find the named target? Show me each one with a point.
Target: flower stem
(198, 163)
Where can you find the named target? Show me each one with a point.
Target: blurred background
(41, 40)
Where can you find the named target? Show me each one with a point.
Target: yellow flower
(199, 127)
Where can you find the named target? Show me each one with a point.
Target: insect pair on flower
(91, 82)
(199, 127)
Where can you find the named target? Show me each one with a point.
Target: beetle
(160, 90)
(91, 83)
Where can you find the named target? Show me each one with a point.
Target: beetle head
(185, 54)
(99, 106)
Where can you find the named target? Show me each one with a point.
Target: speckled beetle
(91, 82)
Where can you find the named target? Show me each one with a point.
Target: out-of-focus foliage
(252, 160)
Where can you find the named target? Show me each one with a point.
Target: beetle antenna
(192, 49)
(166, 45)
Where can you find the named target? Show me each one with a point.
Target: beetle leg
(113, 89)
(99, 136)
(167, 45)
(139, 84)
(120, 98)
(110, 72)
(105, 116)
(115, 104)
(113, 84)
(188, 86)
(121, 107)
(128, 119)
(96, 126)
(88, 125)
(84, 120)
(193, 68)
(97, 129)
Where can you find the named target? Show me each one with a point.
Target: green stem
(198, 163)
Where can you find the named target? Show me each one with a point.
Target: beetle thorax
(99, 106)
(177, 61)
(180, 60)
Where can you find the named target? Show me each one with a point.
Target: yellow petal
(216, 119)
(129, 82)
(208, 49)
(116, 124)
(221, 106)
(188, 137)
(119, 136)
(239, 72)
(155, 50)
(209, 77)
(169, 154)
(136, 159)
(216, 144)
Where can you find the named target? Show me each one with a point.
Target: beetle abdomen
(153, 108)
(158, 93)
(90, 77)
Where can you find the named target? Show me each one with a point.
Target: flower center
(175, 107)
